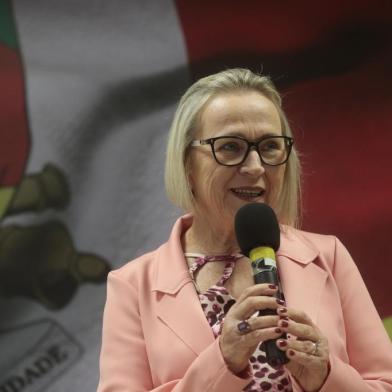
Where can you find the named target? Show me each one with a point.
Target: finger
(250, 305)
(299, 316)
(282, 311)
(301, 358)
(263, 322)
(304, 346)
(301, 331)
(253, 338)
(257, 290)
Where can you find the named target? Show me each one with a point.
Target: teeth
(247, 192)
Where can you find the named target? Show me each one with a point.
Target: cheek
(211, 189)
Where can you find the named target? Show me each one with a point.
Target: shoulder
(162, 269)
(138, 271)
(316, 240)
(304, 245)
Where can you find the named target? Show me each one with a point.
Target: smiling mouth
(248, 193)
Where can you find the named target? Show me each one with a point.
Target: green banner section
(8, 34)
(388, 325)
(6, 194)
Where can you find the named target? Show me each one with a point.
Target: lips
(248, 193)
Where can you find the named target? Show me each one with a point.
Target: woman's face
(220, 191)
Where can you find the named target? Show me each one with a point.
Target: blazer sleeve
(124, 365)
(368, 345)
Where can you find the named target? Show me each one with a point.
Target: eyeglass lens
(232, 151)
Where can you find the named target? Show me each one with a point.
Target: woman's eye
(271, 145)
(232, 146)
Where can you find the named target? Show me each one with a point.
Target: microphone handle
(275, 357)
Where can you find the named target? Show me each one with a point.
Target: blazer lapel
(178, 305)
(183, 314)
(302, 280)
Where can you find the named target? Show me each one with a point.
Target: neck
(209, 238)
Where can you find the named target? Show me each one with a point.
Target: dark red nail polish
(272, 286)
(291, 352)
(280, 301)
(284, 323)
(282, 343)
(282, 310)
(284, 318)
(278, 330)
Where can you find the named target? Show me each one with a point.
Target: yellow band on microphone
(262, 252)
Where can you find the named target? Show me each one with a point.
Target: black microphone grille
(256, 225)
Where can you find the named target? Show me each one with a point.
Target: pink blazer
(156, 337)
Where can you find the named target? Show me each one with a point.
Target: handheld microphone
(258, 235)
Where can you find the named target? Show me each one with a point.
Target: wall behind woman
(87, 94)
(332, 64)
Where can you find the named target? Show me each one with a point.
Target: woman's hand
(309, 353)
(239, 340)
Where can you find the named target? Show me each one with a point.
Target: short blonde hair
(185, 123)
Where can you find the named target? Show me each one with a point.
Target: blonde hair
(185, 122)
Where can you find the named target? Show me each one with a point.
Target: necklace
(201, 260)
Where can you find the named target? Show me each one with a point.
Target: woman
(181, 318)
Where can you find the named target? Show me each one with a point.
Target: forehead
(245, 113)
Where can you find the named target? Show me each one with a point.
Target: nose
(252, 165)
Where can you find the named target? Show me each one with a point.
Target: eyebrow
(241, 134)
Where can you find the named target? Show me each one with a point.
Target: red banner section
(332, 63)
(14, 145)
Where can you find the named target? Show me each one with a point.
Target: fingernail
(282, 310)
(282, 343)
(272, 286)
(283, 323)
(291, 352)
(280, 301)
(283, 318)
(278, 330)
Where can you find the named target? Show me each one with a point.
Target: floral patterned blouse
(216, 302)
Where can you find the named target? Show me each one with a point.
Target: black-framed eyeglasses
(233, 150)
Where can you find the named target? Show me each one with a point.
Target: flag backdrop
(87, 92)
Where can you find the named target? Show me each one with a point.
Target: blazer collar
(179, 308)
(296, 247)
(302, 280)
(172, 272)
